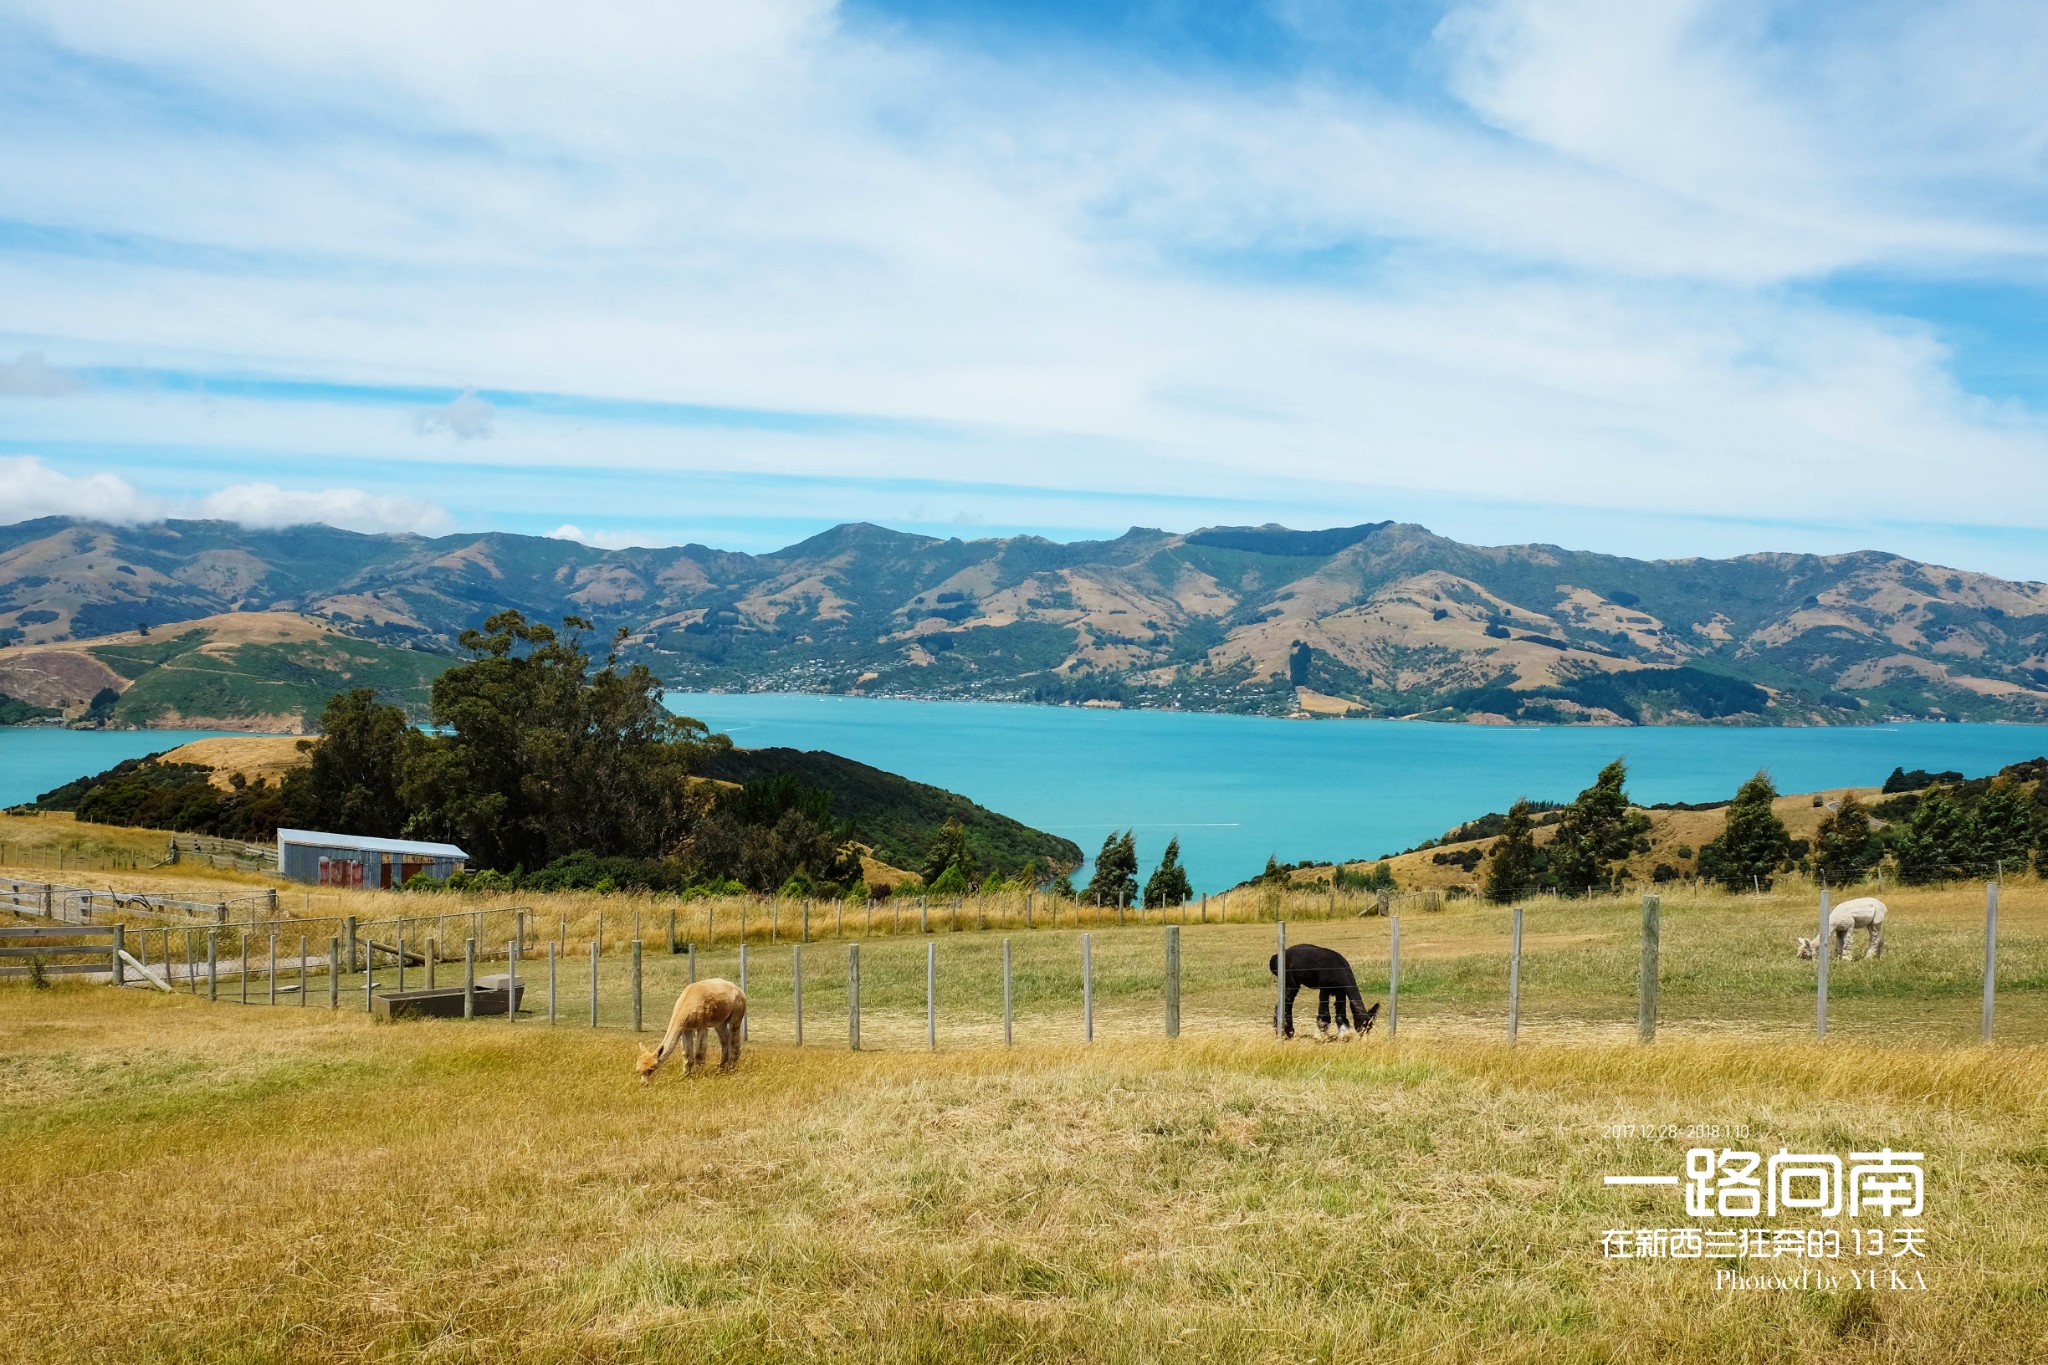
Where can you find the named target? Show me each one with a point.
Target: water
(36, 759)
(1238, 788)
(1234, 788)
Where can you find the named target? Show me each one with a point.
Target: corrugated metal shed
(365, 860)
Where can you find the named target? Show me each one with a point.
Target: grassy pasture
(195, 1181)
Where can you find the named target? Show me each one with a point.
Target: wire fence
(1569, 969)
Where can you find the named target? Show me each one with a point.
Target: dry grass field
(195, 1180)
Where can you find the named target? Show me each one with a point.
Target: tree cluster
(540, 758)
(1595, 834)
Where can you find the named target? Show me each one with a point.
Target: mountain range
(1384, 619)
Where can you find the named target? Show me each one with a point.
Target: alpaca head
(645, 1067)
(1806, 946)
(1366, 1020)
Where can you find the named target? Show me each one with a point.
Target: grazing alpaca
(712, 1005)
(1865, 912)
(1327, 971)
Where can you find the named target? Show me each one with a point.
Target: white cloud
(466, 417)
(30, 488)
(28, 375)
(609, 540)
(267, 505)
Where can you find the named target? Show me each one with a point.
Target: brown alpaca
(710, 1005)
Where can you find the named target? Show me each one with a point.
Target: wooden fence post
(693, 964)
(1646, 975)
(931, 995)
(743, 986)
(593, 983)
(1990, 953)
(433, 959)
(672, 949)
(469, 978)
(1280, 979)
(302, 971)
(1173, 981)
(348, 940)
(1009, 1038)
(1515, 980)
(796, 977)
(334, 972)
(245, 966)
(512, 981)
(853, 997)
(923, 916)
(1088, 988)
(119, 968)
(551, 981)
(1393, 976)
(636, 986)
(1824, 949)
(213, 964)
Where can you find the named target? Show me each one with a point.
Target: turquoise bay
(1238, 788)
(1233, 788)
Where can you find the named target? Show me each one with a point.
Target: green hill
(897, 817)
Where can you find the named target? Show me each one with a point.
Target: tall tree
(1116, 871)
(353, 785)
(1753, 842)
(2005, 829)
(1938, 841)
(1844, 848)
(1597, 831)
(948, 851)
(1515, 866)
(541, 757)
(1168, 884)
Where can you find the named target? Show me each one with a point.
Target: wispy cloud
(1556, 256)
(466, 417)
(28, 375)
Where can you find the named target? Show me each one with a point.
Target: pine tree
(1843, 849)
(1597, 831)
(1753, 843)
(1938, 841)
(2005, 830)
(1515, 866)
(1168, 884)
(1116, 871)
(948, 851)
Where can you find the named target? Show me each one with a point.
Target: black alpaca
(1329, 974)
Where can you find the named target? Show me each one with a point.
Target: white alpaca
(1865, 912)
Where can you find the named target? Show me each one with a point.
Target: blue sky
(1657, 277)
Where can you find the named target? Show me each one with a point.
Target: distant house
(359, 860)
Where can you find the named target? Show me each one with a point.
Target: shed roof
(367, 843)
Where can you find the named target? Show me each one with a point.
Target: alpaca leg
(1360, 1020)
(729, 1045)
(1876, 948)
